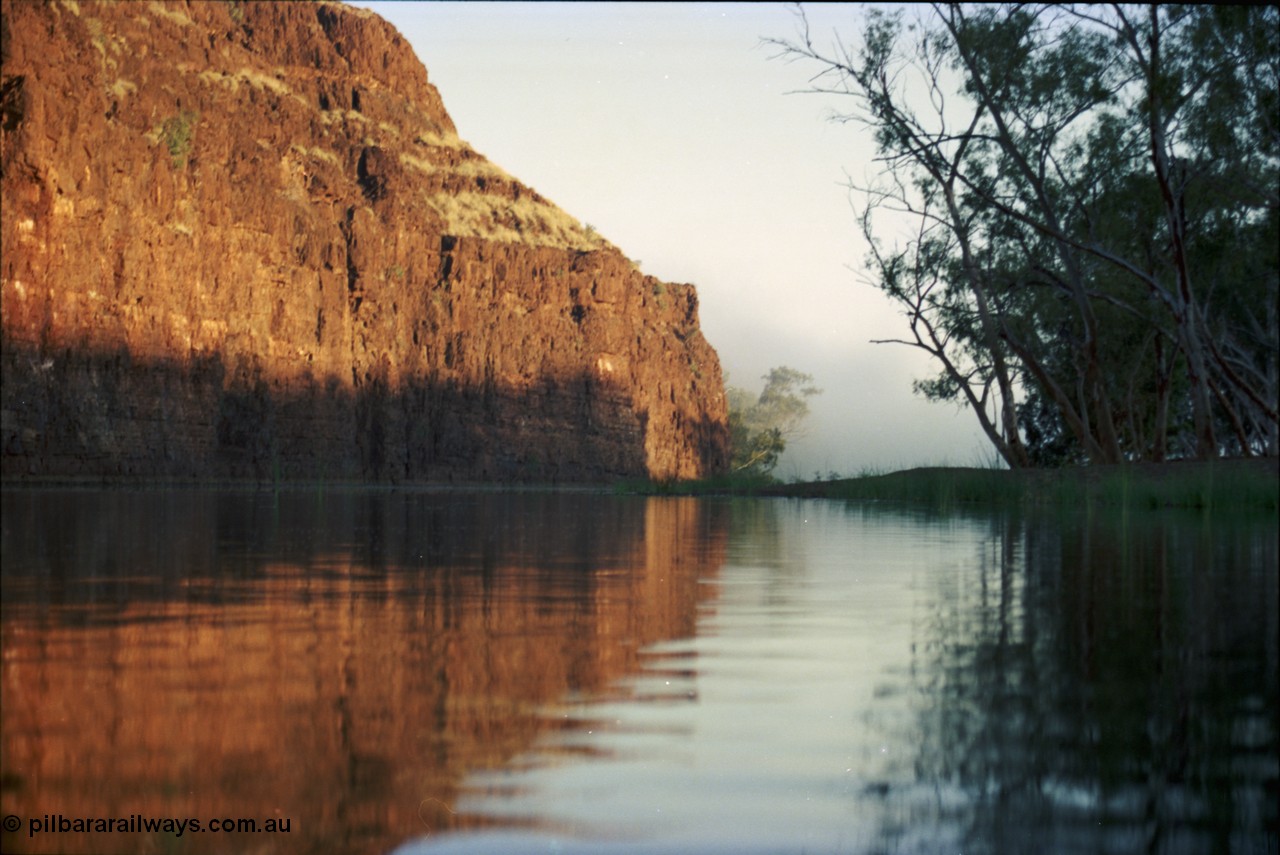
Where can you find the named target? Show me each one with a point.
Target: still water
(434, 672)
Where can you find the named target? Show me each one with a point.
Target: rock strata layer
(244, 240)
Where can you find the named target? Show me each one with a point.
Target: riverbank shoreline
(1248, 482)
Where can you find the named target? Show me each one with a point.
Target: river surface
(574, 672)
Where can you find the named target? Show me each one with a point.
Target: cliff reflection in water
(877, 681)
(339, 659)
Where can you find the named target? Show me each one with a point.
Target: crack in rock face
(245, 241)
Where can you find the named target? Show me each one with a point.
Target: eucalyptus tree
(1091, 195)
(1200, 100)
(760, 426)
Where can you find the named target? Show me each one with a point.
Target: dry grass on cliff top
(160, 10)
(526, 220)
(511, 221)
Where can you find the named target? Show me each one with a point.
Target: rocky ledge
(244, 241)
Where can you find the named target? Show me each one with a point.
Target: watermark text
(58, 823)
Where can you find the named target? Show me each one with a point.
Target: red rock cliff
(243, 240)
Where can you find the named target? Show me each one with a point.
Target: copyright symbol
(12, 823)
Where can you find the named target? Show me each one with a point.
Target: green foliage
(659, 295)
(759, 428)
(1094, 263)
(754, 451)
(1231, 486)
(177, 132)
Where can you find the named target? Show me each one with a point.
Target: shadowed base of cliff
(113, 417)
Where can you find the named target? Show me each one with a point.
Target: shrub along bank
(1223, 485)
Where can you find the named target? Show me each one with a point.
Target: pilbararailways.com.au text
(57, 823)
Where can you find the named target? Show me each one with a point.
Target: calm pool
(429, 672)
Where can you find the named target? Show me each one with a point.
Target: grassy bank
(1221, 485)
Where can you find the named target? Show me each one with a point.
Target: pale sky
(669, 129)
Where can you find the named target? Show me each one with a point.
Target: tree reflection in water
(1098, 685)
(665, 675)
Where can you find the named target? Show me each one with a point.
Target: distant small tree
(760, 427)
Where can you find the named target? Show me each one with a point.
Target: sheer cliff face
(245, 240)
